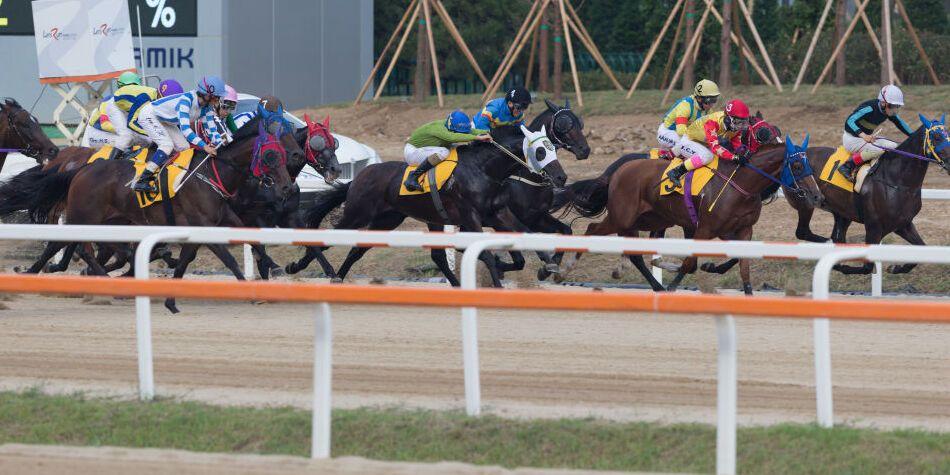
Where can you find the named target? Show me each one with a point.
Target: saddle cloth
(173, 173)
(701, 177)
(831, 175)
(443, 171)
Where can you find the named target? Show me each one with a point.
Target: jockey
(725, 125)
(168, 123)
(101, 131)
(508, 110)
(683, 113)
(859, 138)
(429, 144)
(113, 124)
(223, 119)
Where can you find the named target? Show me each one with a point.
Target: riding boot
(412, 181)
(676, 174)
(145, 183)
(848, 169)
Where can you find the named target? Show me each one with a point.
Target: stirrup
(412, 183)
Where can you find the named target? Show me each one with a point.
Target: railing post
(726, 396)
(143, 312)
(877, 280)
(248, 262)
(450, 252)
(322, 383)
(657, 271)
(473, 390)
(822, 334)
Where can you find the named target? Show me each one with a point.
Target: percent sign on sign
(165, 14)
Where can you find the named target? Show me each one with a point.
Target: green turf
(405, 435)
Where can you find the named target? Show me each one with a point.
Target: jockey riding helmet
(128, 78)
(459, 122)
(520, 97)
(892, 96)
(211, 86)
(170, 87)
(706, 92)
(737, 115)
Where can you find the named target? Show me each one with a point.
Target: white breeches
(167, 137)
(695, 153)
(667, 138)
(414, 156)
(96, 138)
(868, 152)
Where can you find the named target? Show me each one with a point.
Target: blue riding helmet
(211, 86)
(459, 122)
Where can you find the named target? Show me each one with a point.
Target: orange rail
(880, 310)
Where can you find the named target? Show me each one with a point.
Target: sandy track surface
(534, 364)
(55, 460)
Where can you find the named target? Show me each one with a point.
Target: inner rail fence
(818, 308)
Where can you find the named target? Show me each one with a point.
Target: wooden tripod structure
(413, 12)
(692, 49)
(884, 53)
(570, 21)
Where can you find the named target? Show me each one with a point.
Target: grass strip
(428, 436)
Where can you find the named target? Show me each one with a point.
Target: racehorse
(97, 194)
(889, 198)
(21, 132)
(530, 197)
(727, 207)
(468, 200)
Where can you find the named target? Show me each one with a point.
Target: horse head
(760, 133)
(797, 175)
(321, 148)
(541, 156)
(566, 129)
(20, 130)
(936, 141)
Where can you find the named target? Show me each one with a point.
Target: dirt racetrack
(618, 366)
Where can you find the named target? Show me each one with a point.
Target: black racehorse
(889, 198)
(21, 132)
(469, 200)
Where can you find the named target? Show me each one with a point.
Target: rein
(29, 151)
(547, 181)
(558, 140)
(927, 145)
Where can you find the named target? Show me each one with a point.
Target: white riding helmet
(891, 94)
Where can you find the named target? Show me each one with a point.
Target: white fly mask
(538, 149)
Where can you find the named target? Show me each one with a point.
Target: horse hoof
(899, 269)
(667, 266)
(558, 278)
(277, 272)
(747, 288)
(170, 305)
(543, 274)
(336, 280)
(291, 268)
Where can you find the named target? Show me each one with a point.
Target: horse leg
(910, 234)
(745, 272)
(187, 254)
(689, 264)
(90, 259)
(550, 224)
(385, 222)
(839, 235)
(226, 258)
(803, 231)
(720, 268)
(603, 228)
(647, 273)
(51, 249)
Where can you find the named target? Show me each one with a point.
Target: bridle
(28, 150)
(558, 141)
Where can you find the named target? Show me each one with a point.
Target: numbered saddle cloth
(701, 177)
(830, 173)
(172, 173)
(443, 171)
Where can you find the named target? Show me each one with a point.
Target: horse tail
(326, 201)
(35, 191)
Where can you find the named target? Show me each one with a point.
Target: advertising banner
(82, 40)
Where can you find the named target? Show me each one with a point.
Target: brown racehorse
(21, 132)
(889, 199)
(98, 194)
(634, 204)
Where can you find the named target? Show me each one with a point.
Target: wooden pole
(534, 49)
(673, 49)
(758, 41)
(888, 46)
(725, 61)
(544, 53)
(654, 46)
(746, 50)
(844, 39)
(382, 55)
(920, 48)
(516, 52)
(453, 30)
(570, 55)
(699, 45)
(558, 73)
(422, 81)
(743, 63)
(509, 55)
(687, 56)
(811, 46)
(582, 32)
(876, 42)
(688, 76)
(841, 11)
(402, 42)
(592, 48)
(435, 60)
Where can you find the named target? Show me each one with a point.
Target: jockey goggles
(707, 100)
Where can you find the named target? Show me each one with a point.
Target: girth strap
(434, 192)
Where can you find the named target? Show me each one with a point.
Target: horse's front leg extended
(910, 234)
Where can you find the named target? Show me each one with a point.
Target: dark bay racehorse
(21, 132)
(633, 202)
(97, 194)
(470, 198)
(889, 199)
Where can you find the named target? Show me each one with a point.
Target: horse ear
(567, 103)
(326, 122)
(306, 118)
(758, 115)
(543, 131)
(551, 106)
(525, 131)
(789, 145)
(923, 120)
(805, 143)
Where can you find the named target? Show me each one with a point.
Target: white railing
(825, 253)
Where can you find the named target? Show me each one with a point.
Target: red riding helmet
(737, 109)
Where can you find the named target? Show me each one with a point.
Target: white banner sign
(82, 40)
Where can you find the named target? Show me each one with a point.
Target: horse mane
(509, 136)
(249, 129)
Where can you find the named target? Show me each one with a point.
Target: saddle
(700, 178)
(830, 173)
(443, 171)
(169, 177)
